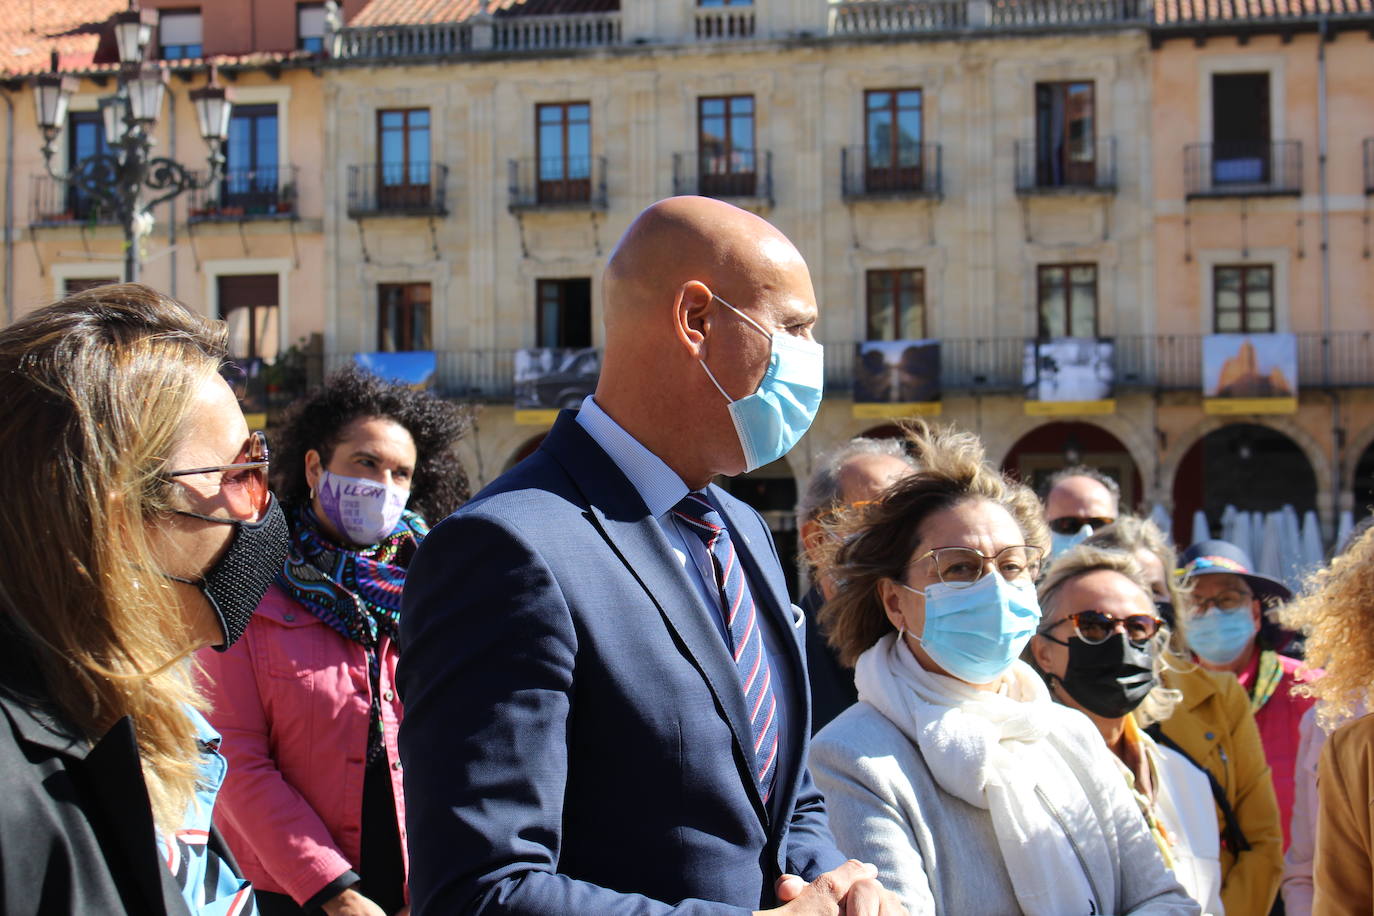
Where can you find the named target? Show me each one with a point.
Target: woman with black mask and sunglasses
(313, 807)
(1099, 648)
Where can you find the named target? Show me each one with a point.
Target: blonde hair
(1073, 564)
(96, 388)
(1131, 534)
(1336, 612)
(877, 541)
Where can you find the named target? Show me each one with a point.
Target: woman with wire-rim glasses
(955, 773)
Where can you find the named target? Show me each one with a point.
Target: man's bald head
(696, 284)
(681, 239)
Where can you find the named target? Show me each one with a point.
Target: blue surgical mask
(771, 420)
(1063, 543)
(975, 632)
(1222, 634)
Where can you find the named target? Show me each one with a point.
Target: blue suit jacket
(575, 737)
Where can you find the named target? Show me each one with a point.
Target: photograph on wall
(1250, 373)
(550, 379)
(1069, 375)
(896, 378)
(415, 368)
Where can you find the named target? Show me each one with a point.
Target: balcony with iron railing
(247, 194)
(1041, 168)
(397, 189)
(914, 171)
(1243, 168)
(740, 175)
(54, 203)
(1369, 166)
(565, 183)
(1166, 362)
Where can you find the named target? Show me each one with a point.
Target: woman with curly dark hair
(314, 810)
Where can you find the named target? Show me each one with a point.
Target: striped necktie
(742, 625)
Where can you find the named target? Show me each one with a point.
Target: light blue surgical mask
(1063, 543)
(976, 631)
(771, 420)
(1222, 634)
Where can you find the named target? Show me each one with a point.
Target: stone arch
(1321, 464)
(1134, 437)
(1287, 468)
(1025, 457)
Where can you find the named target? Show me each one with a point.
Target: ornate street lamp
(120, 178)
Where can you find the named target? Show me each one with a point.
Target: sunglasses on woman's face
(1070, 524)
(242, 484)
(1095, 627)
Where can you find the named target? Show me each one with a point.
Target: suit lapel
(615, 509)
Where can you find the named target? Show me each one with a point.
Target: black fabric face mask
(1109, 679)
(237, 582)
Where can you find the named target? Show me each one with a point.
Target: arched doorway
(1245, 465)
(525, 450)
(772, 490)
(1363, 483)
(1055, 446)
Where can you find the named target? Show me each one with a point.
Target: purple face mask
(364, 510)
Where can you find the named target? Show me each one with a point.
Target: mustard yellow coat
(1213, 724)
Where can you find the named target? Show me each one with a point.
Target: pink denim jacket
(291, 700)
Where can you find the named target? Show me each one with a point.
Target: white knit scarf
(988, 748)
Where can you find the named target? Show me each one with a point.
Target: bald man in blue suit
(605, 692)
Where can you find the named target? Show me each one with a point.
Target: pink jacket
(291, 700)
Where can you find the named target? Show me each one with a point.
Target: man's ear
(692, 314)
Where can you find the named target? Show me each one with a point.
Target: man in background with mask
(1078, 501)
(848, 475)
(606, 704)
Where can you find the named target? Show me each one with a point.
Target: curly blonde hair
(877, 541)
(1336, 612)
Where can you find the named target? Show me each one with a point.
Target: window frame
(302, 38)
(566, 188)
(185, 49)
(892, 173)
(1243, 290)
(896, 276)
(561, 333)
(408, 305)
(1058, 168)
(730, 181)
(1065, 269)
(407, 193)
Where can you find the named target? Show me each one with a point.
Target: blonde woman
(1100, 649)
(137, 528)
(1214, 726)
(1337, 614)
(955, 773)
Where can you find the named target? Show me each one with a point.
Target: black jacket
(76, 825)
(832, 684)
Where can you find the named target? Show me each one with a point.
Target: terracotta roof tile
(1178, 12)
(418, 12)
(31, 31)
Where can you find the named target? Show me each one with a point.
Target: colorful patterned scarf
(357, 592)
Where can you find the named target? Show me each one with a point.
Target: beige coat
(1344, 869)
